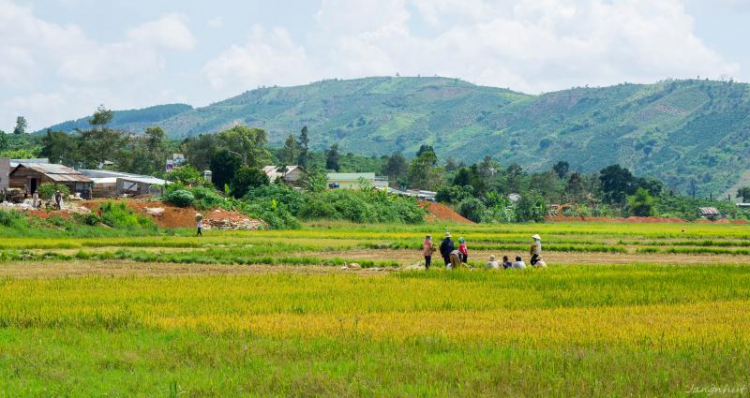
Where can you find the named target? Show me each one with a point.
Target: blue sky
(59, 59)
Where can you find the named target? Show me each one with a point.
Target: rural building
(29, 176)
(411, 193)
(4, 173)
(355, 180)
(710, 213)
(112, 184)
(292, 175)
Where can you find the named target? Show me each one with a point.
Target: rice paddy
(623, 310)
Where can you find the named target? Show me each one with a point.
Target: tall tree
(514, 178)
(744, 193)
(561, 168)
(247, 178)
(20, 125)
(424, 172)
(59, 147)
(304, 149)
(199, 150)
(395, 166)
(156, 144)
(3, 141)
(248, 143)
(100, 144)
(101, 117)
(333, 158)
(616, 183)
(224, 166)
(289, 153)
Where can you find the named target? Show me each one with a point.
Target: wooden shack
(29, 176)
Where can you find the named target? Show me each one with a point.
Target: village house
(356, 180)
(29, 176)
(112, 184)
(291, 176)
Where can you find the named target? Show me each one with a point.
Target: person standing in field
(58, 199)
(536, 249)
(199, 224)
(427, 249)
(446, 247)
(463, 250)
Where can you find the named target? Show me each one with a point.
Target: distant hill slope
(131, 120)
(684, 132)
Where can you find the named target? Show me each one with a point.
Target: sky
(60, 59)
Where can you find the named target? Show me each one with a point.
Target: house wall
(4, 172)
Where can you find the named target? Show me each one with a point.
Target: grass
(655, 328)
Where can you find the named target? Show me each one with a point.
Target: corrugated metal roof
(350, 176)
(709, 211)
(55, 172)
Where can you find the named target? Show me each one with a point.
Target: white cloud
(216, 22)
(262, 60)
(529, 45)
(51, 72)
(168, 31)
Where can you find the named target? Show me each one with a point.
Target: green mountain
(690, 133)
(135, 120)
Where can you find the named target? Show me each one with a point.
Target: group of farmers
(459, 257)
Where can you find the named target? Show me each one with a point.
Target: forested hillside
(693, 134)
(135, 120)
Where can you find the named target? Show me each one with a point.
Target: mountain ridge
(693, 134)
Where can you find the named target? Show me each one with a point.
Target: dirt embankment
(171, 216)
(439, 212)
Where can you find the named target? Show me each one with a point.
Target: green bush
(207, 198)
(180, 198)
(47, 190)
(86, 219)
(9, 218)
(118, 215)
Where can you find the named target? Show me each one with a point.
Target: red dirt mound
(440, 212)
(172, 217)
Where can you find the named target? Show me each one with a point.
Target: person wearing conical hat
(536, 250)
(446, 247)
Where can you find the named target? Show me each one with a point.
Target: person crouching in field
(506, 263)
(455, 260)
(446, 247)
(428, 248)
(463, 250)
(519, 264)
(492, 264)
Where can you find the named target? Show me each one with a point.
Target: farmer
(58, 199)
(506, 263)
(427, 249)
(454, 260)
(199, 224)
(519, 264)
(446, 247)
(492, 264)
(536, 249)
(463, 250)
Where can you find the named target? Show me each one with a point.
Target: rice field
(623, 310)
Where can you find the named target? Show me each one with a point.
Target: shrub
(180, 198)
(9, 218)
(207, 198)
(118, 215)
(86, 219)
(47, 190)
